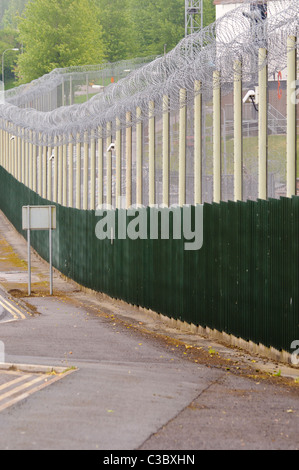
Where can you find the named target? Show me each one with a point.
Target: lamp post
(14, 49)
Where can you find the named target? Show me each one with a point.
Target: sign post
(39, 218)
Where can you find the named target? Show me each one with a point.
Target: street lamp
(14, 49)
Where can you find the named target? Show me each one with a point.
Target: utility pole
(193, 16)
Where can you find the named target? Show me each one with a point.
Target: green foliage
(155, 24)
(117, 29)
(4, 4)
(10, 16)
(58, 34)
(137, 28)
(8, 41)
(209, 12)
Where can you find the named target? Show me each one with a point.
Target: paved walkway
(107, 375)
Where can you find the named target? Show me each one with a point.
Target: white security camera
(250, 95)
(52, 157)
(111, 147)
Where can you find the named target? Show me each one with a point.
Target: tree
(8, 40)
(3, 7)
(11, 15)
(58, 34)
(136, 28)
(156, 23)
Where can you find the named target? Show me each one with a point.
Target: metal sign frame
(39, 218)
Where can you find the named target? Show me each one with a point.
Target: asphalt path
(125, 389)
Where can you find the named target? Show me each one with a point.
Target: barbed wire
(237, 36)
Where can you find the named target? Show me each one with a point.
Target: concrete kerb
(37, 369)
(192, 334)
(231, 340)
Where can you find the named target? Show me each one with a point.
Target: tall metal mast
(193, 16)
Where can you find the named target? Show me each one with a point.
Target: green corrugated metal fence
(244, 280)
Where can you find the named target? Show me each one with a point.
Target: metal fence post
(55, 179)
(138, 157)
(182, 147)
(100, 167)
(7, 151)
(71, 173)
(238, 141)
(78, 172)
(30, 156)
(64, 178)
(23, 157)
(38, 164)
(92, 171)
(118, 164)
(291, 116)
(151, 138)
(34, 164)
(217, 136)
(109, 165)
(4, 147)
(50, 172)
(19, 155)
(14, 166)
(197, 143)
(166, 136)
(128, 160)
(1, 143)
(27, 166)
(60, 173)
(45, 167)
(85, 172)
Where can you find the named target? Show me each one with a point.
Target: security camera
(52, 157)
(12, 137)
(111, 147)
(250, 95)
